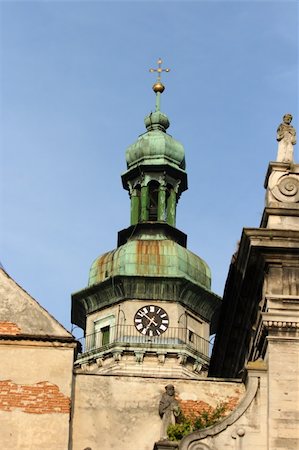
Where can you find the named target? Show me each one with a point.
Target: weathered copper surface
(151, 257)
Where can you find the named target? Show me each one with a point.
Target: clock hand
(145, 315)
(152, 320)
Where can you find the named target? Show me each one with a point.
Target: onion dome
(156, 146)
(159, 257)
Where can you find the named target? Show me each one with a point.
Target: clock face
(151, 320)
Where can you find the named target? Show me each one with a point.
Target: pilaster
(281, 322)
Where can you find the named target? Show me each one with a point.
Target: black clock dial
(151, 320)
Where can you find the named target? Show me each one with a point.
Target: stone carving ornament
(168, 409)
(286, 137)
(139, 357)
(199, 446)
(284, 188)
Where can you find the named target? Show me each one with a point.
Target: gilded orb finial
(158, 86)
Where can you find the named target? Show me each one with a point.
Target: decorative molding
(239, 432)
(139, 357)
(197, 366)
(281, 324)
(284, 298)
(161, 357)
(289, 186)
(109, 292)
(99, 362)
(281, 321)
(117, 355)
(162, 181)
(130, 186)
(182, 357)
(286, 188)
(137, 352)
(176, 186)
(200, 446)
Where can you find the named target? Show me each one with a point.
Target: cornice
(121, 288)
(279, 324)
(279, 321)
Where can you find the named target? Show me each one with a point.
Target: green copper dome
(145, 256)
(151, 261)
(156, 146)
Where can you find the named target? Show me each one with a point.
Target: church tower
(148, 304)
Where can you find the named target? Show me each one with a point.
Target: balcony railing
(128, 336)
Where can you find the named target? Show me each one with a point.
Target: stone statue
(286, 137)
(168, 409)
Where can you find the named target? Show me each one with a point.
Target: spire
(159, 87)
(155, 176)
(157, 120)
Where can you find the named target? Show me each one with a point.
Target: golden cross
(159, 69)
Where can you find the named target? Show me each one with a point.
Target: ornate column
(135, 206)
(162, 202)
(171, 208)
(144, 202)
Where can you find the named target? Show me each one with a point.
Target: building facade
(147, 314)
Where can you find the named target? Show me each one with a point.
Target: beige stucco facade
(113, 412)
(36, 377)
(264, 415)
(37, 381)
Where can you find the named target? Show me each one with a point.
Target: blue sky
(75, 88)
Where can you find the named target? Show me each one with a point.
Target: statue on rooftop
(168, 409)
(286, 137)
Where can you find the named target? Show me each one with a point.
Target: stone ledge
(258, 365)
(165, 445)
(280, 166)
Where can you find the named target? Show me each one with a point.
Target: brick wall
(9, 328)
(39, 398)
(192, 408)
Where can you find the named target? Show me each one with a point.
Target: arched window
(153, 200)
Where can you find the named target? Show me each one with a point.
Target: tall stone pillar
(280, 318)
